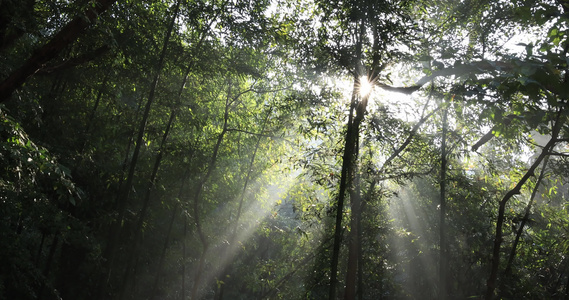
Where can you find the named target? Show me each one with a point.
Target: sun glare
(365, 86)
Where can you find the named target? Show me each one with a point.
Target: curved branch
(67, 35)
(76, 61)
(458, 70)
(491, 282)
(490, 134)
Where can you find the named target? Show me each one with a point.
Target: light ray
(365, 87)
(224, 253)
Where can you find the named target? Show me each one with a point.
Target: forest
(284, 149)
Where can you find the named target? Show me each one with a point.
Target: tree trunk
(48, 263)
(67, 35)
(125, 164)
(525, 219)
(360, 289)
(348, 159)
(7, 38)
(71, 258)
(443, 254)
(184, 257)
(40, 249)
(146, 203)
(354, 241)
(125, 193)
(491, 282)
(228, 255)
(175, 212)
(197, 194)
(567, 288)
(92, 116)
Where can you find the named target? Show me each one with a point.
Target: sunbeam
(260, 202)
(412, 239)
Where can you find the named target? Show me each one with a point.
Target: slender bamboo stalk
(443, 252)
(110, 251)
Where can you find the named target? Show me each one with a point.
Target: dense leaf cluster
(189, 149)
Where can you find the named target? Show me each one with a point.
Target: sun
(365, 87)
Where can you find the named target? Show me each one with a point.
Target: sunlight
(365, 87)
(402, 106)
(413, 231)
(263, 197)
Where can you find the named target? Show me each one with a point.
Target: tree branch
(67, 35)
(488, 136)
(73, 62)
(404, 145)
(300, 265)
(249, 132)
(471, 68)
(491, 282)
(261, 135)
(553, 153)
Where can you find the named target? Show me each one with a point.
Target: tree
(50, 50)
(222, 149)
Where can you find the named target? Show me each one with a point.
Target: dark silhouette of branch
(553, 153)
(488, 136)
(525, 219)
(491, 282)
(458, 70)
(67, 35)
(73, 62)
(403, 146)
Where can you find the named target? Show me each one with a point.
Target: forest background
(278, 149)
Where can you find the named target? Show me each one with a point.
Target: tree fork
(525, 218)
(491, 282)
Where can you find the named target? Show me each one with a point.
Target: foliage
(234, 187)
